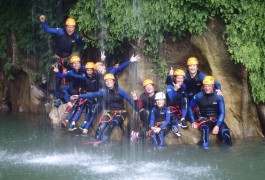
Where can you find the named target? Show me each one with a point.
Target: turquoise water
(31, 148)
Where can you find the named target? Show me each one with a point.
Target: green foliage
(22, 18)
(8, 69)
(36, 76)
(106, 24)
(160, 68)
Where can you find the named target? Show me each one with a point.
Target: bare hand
(157, 130)
(219, 92)
(215, 130)
(171, 71)
(102, 56)
(116, 65)
(56, 70)
(135, 58)
(194, 125)
(73, 97)
(176, 86)
(134, 95)
(42, 18)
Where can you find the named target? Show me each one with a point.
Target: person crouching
(160, 119)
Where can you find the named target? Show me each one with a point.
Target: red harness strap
(175, 110)
(203, 120)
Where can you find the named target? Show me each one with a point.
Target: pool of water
(32, 148)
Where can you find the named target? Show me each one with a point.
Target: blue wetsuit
(63, 50)
(64, 42)
(160, 117)
(177, 103)
(212, 112)
(193, 85)
(90, 85)
(113, 105)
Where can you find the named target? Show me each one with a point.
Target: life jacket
(208, 105)
(160, 114)
(147, 102)
(177, 99)
(92, 83)
(194, 84)
(76, 83)
(64, 44)
(112, 101)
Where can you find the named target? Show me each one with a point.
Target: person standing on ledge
(65, 40)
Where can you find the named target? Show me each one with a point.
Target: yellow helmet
(208, 80)
(70, 22)
(97, 65)
(179, 72)
(75, 59)
(90, 65)
(192, 61)
(109, 76)
(147, 81)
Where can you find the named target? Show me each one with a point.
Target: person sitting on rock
(91, 84)
(160, 120)
(114, 112)
(177, 102)
(145, 104)
(193, 78)
(75, 84)
(212, 113)
(65, 41)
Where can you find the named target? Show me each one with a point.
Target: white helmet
(160, 95)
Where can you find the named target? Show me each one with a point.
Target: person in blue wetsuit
(113, 106)
(91, 84)
(102, 70)
(177, 102)
(65, 41)
(193, 78)
(145, 104)
(160, 120)
(212, 113)
(75, 84)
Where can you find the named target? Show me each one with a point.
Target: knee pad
(227, 137)
(205, 135)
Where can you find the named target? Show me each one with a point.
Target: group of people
(190, 96)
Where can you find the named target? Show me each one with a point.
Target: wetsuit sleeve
(167, 120)
(120, 67)
(152, 118)
(221, 106)
(193, 102)
(78, 76)
(93, 95)
(184, 102)
(184, 107)
(169, 80)
(127, 97)
(47, 29)
(171, 93)
(78, 39)
(217, 85)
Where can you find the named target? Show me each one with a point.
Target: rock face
(210, 48)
